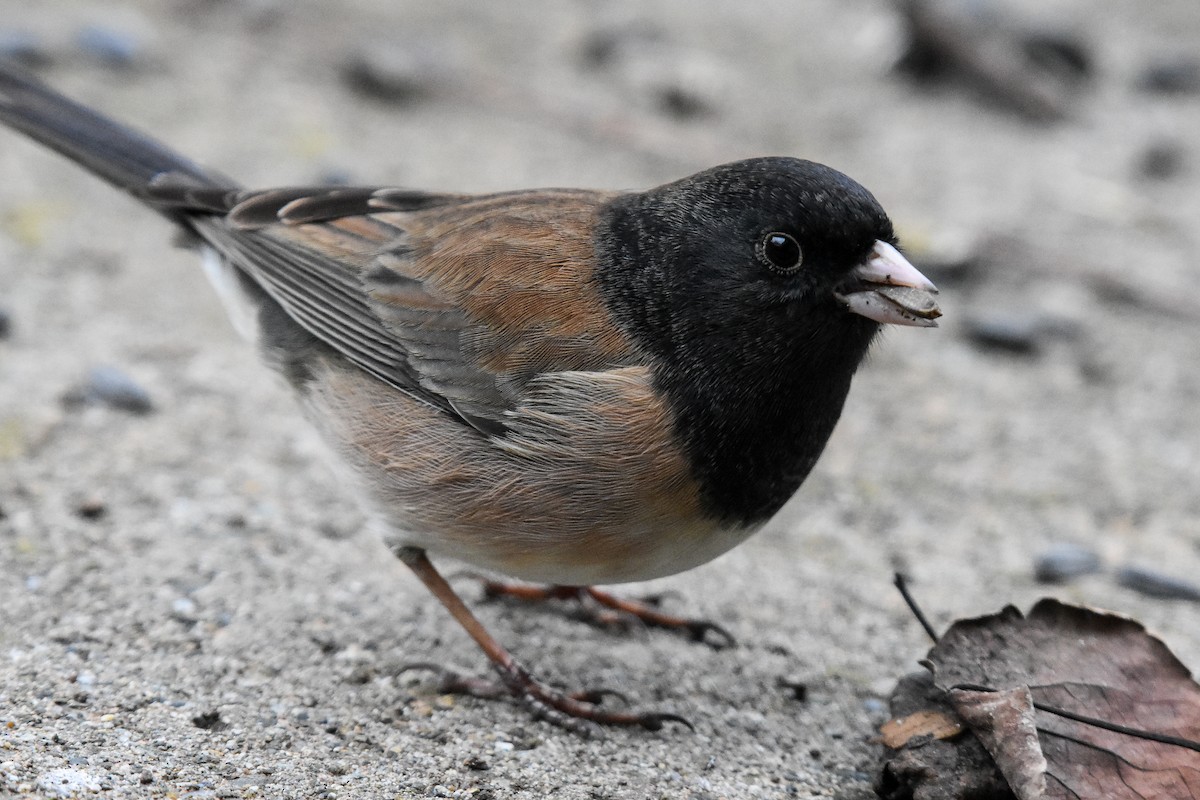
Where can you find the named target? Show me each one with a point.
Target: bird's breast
(588, 485)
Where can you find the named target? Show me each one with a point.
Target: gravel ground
(188, 607)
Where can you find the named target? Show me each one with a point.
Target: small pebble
(873, 705)
(24, 48)
(110, 386)
(113, 48)
(1176, 76)
(395, 73)
(183, 609)
(1062, 562)
(796, 688)
(1155, 584)
(1016, 333)
(209, 721)
(683, 102)
(682, 84)
(1161, 160)
(360, 675)
(92, 507)
(477, 764)
(1061, 52)
(603, 48)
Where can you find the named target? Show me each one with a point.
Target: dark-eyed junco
(567, 386)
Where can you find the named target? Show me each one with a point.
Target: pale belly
(583, 508)
(648, 554)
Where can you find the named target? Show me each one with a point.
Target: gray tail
(123, 157)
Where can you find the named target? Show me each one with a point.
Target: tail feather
(123, 157)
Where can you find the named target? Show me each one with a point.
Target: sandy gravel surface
(188, 604)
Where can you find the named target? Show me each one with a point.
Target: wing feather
(460, 301)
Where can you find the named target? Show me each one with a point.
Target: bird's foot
(579, 712)
(607, 610)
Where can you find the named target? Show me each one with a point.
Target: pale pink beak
(889, 290)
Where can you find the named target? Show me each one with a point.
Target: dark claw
(699, 630)
(655, 721)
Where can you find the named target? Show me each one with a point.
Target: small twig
(901, 583)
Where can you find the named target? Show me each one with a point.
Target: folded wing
(460, 301)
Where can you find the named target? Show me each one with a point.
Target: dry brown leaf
(1087, 664)
(896, 733)
(1004, 722)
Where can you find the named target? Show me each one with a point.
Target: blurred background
(171, 546)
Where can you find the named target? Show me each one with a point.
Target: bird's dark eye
(780, 252)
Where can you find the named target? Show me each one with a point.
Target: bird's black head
(729, 281)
